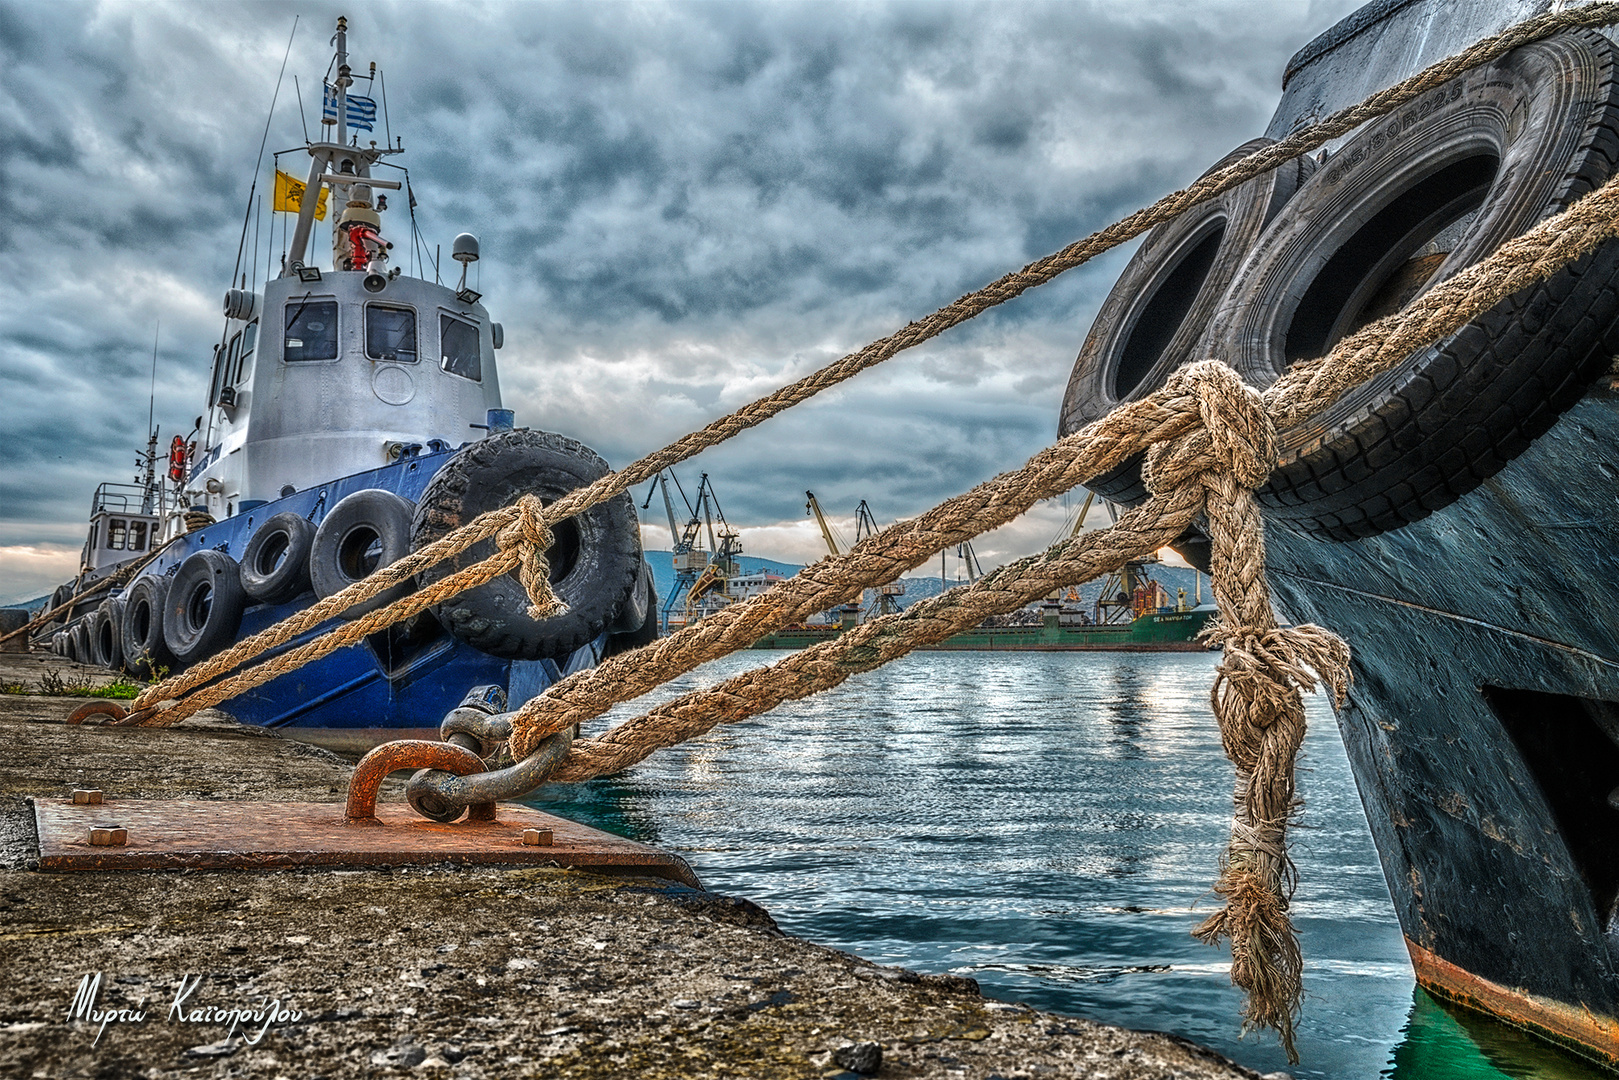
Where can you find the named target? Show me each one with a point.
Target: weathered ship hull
(1482, 724)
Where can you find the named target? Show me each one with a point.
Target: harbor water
(1048, 824)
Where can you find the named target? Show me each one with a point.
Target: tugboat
(353, 415)
(1453, 519)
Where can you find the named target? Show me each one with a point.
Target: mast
(346, 169)
(341, 38)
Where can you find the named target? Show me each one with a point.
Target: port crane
(865, 524)
(848, 614)
(697, 572)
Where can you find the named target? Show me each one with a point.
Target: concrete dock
(444, 971)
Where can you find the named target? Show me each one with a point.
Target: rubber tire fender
(646, 632)
(59, 596)
(1157, 315)
(59, 643)
(78, 643)
(373, 520)
(145, 652)
(594, 562)
(275, 563)
(107, 635)
(1392, 205)
(204, 606)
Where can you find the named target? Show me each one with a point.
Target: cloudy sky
(681, 206)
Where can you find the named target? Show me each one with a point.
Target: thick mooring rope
(1036, 273)
(1210, 442)
(1213, 442)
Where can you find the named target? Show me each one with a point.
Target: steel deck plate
(224, 834)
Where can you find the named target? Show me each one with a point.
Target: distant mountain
(919, 587)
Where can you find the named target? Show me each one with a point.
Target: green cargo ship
(1134, 614)
(1154, 631)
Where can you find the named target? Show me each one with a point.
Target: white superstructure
(334, 370)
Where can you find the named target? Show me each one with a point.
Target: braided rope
(973, 304)
(1213, 442)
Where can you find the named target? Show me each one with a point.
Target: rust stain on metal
(224, 835)
(374, 768)
(1579, 1029)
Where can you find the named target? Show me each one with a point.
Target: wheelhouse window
(311, 331)
(137, 536)
(117, 533)
(390, 333)
(219, 373)
(250, 337)
(232, 356)
(458, 344)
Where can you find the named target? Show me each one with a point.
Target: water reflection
(1049, 824)
(1443, 1042)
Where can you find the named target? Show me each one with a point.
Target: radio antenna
(151, 401)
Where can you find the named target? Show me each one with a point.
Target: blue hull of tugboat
(386, 687)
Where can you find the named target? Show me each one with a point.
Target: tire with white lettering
(146, 655)
(1417, 196)
(1156, 316)
(275, 563)
(204, 606)
(364, 532)
(595, 557)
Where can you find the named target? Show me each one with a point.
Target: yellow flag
(289, 195)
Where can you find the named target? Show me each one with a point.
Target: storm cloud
(681, 206)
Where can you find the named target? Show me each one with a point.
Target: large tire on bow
(107, 635)
(595, 557)
(363, 533)
(146, 655)
(204, 606)
(639, 617)
(1158, 313)
(1422, 193)
(275, 564)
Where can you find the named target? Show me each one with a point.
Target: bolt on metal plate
(86, 797)
(108, 836)
(538, 837)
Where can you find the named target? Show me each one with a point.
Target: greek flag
(362, 110)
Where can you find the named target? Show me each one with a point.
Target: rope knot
(529, 537)
(1235, 417)
(1265, 668)
(1236, 434)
